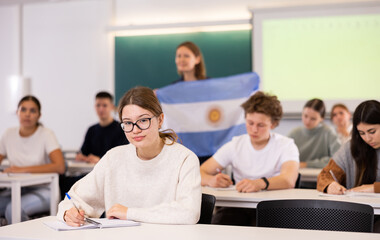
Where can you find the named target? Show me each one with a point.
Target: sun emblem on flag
(214, 115)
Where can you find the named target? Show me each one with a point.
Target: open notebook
(106, 223)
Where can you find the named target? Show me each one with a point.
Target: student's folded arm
(57, 165)
(185, 208)
(287, 178)
(87, 193)
(325, 178)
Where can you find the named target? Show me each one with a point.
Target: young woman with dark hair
(30, 148)
(153, 179)
(356, 165)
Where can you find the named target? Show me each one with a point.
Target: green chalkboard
(149, 60)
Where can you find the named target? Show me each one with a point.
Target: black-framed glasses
(142, 124)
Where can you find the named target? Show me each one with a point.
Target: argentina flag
(206, 114)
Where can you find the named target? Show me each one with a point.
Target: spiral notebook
(106, 223)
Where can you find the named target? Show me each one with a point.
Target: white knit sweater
(165, 189)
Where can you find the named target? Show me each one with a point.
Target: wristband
(266, 182)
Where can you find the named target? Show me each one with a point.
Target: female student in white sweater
(260, 159)
(154, 179)
(30, 148)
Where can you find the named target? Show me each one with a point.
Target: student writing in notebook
(153, 179)
(357, 163)
(260, 159)
(30, 148)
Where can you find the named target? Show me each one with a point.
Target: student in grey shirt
(316, 141)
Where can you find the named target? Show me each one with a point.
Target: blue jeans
(33, 200)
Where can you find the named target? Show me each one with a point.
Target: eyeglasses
(142, 124)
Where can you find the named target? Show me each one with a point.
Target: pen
(98, 224)
(333, 175)
(218, 170)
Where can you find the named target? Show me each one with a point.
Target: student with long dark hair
(356, 165)
(30, 148)
(315, 140)
(152, 179)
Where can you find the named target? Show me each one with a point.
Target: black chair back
(298, 182)
(207, 208)
(315, 214)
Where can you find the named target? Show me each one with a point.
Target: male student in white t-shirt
(260, 159)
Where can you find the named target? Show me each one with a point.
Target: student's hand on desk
(336, 188)
(117, 211)
(80, 157)
(74, 218)
(92, 158)
(247, 185)
(220, 180)
(366, 188)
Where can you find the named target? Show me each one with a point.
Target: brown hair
(144, 97)
(317, 105)
(200, 68)
(33, 99)
(265, 104)
(340, 105)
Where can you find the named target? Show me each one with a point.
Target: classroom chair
(315, 214)
(207, 208)
(298, 181)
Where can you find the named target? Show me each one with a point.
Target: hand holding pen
(221, 180)
(75, 217)
(335, 187)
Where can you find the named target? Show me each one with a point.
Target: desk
(309, 174)
(76, 168)
(250, 200)
(17, 181)
(35, 229)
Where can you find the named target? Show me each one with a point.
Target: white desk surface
(25, 179)
(250, 200)
(309, 174)
(35, 229)
(72, 166)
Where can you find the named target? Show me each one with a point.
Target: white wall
(9, 59)
(67, 55)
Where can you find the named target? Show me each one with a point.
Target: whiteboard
(330, 52)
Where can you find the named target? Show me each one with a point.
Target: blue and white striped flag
(206, 114)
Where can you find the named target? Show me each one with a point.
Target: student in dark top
(104, 135)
